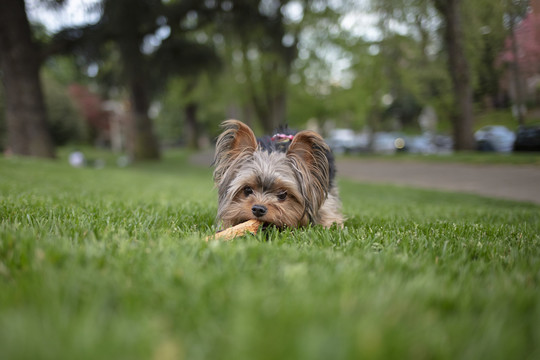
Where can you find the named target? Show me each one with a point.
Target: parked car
(424, 144)
(385, 143)
(527, 139)
(444, 143)
(495, 138)
(420, 144)
(347, 141)
(341, 140)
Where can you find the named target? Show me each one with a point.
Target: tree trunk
(278, 110)
(516, 74)
(269, 99)
(144, 145)
(462, 118)
(192, 127)
(26, 118)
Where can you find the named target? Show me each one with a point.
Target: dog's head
(279, 188)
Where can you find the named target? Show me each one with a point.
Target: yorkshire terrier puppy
(286, 180)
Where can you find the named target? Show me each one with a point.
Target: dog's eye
(282, 195)
(248, 191)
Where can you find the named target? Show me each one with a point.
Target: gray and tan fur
(292, 187)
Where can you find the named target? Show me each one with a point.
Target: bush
(65, 122)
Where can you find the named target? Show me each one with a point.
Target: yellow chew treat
(250, 226)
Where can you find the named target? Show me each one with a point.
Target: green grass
(112, 264)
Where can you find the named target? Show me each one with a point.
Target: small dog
(286, 180)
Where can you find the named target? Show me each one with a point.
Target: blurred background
(140, 76)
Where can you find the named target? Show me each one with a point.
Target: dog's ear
(235, 143)
(311, 148)
(308, 154)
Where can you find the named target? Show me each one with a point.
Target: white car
(495, 138)
(341, 140)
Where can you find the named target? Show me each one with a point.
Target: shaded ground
(513, 182)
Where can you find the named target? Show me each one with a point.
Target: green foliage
(212, 93)
(119, 269)
(341, 106)
(65, 70)
(258, 56)
(170, 121)
(65, 122)
(485, 34)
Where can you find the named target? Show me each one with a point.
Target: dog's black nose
(259, 210)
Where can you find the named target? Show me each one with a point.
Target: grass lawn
(112, 264)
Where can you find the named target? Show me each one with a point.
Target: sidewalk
(514, 182)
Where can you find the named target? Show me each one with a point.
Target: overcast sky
(74, 12)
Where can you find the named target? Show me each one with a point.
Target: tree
(485, 34)
(130, 29)
(458, 65)
(262, 55)
(419, 15)
(126, 23)
(28, 132)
